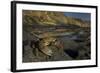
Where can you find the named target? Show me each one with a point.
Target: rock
(72, 53)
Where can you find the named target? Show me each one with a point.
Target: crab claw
(47, 51)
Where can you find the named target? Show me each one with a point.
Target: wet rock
(72, 53)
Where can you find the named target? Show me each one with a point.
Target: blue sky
(83, 16)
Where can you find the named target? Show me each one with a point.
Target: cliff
(47, 18)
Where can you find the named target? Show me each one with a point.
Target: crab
(45, 46)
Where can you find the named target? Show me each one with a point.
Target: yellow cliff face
(48, 18)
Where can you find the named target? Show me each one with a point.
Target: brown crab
(45, 46)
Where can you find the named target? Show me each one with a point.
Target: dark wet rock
(25, 43)
(79, 40)
(72, 50)
(72, 53)
(86, 54)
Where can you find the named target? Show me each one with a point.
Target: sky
(83, 16)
